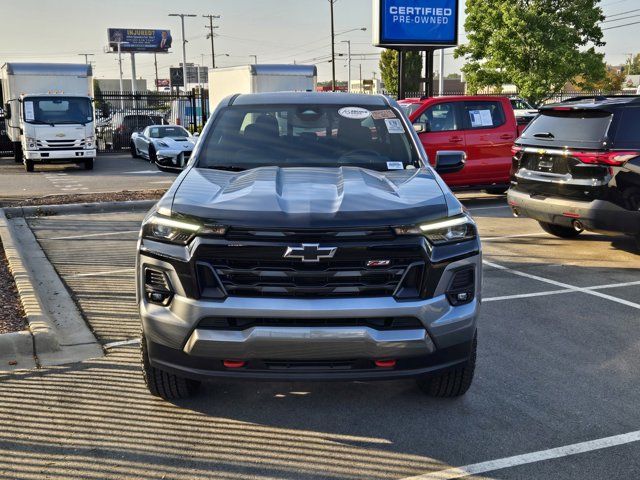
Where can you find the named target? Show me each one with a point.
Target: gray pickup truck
(309, 239)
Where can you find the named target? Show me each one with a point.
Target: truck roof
(70, 69)
(306, 98)
(274, 69)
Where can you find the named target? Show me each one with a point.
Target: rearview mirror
(7, 111)
(450, 161)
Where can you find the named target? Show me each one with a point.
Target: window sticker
(29, 114)
(354, 113)
(395, 166)
(394, 125)
(480, 118)
(382, 114)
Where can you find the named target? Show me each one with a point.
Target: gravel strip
(87, 198)
(12, 317)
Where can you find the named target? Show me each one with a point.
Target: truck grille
(242, 273)
(52, 145)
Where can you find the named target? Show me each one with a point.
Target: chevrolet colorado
(309, 239)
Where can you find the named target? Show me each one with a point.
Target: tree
(537, 45)
(633, 65)
(389, 70)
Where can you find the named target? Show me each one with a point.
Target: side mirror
(7, 111)
(196, 134)
(419, 127)
(450, 161)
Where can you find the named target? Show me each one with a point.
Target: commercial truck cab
(49, 113)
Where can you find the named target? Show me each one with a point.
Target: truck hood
(310, 197)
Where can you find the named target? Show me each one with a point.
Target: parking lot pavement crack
(572, 288)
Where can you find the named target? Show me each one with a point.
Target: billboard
(415, 23)
(139, 40)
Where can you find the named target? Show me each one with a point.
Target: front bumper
(59, 155)
(176, 342)
(596, 215)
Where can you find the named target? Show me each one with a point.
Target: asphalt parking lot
(111, 173)
(557, 366)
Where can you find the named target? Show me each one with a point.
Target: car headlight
(450, 230)
(31, 143)
(181, 232)
(163, 144)
(89, 142)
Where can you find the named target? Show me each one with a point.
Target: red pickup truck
(483, 127)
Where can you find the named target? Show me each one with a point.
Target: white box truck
(260, 79)
(49, 113)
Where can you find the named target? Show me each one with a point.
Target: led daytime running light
(453, 222)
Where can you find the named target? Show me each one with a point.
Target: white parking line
(539, 456)
(537, 234)
(589, 291)
(97, 274)
(87, 235)
(556, 292)
(123, 343)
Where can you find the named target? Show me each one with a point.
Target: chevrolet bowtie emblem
(310, 252)
(60, 135)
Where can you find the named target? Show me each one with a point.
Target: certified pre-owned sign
(415, 23)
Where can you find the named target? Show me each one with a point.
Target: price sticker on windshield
(394, 125)
(29, 114)
(354, 113)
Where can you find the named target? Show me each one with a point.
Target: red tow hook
(385, 363)
(234, 363)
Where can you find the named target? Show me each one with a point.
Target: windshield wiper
(544, 135)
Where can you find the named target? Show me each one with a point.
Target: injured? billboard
(139, 40)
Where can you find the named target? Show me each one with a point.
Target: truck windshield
(245, 137)
(59, 110)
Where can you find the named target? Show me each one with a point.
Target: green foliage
(537, 45)
(633, 65)
(389, 70)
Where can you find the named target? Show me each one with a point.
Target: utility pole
(119, 44)
(86, 57)
(441, 75)
(155, 63)
(348, 42)
(333, 50)
(211, 35)
(361, 86)
(184, 45)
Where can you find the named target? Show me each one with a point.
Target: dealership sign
(139, 40)
(415, 23)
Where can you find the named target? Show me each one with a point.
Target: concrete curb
(16, 351)
(60, 334)
(79, 208)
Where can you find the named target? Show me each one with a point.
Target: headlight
(31, 143)
(162, 144)
(89, 142)
(451, 230)
(181, 232)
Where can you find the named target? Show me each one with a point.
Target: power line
(623, 13)
(621, 19)
(620, 26)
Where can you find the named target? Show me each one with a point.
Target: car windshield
(168, 132)
(57, 110)
(569, 128)
(245, 137)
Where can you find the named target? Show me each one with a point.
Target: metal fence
(6, 147)
(119, 115)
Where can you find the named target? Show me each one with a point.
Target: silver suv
(309, 239)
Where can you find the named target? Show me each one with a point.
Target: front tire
(134, 151)
(558, 231)
(153, 156)
(88, 164)
(18, 154)
(28, 165)
(164, 384)
(451, 383)
(497, 190)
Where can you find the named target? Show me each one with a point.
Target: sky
(277, 31)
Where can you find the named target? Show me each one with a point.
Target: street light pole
(184, 45)
(333, 50)
(211, 35)
(348, 42)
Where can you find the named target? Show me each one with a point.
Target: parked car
(116, 135)
(523, 111)
(577, 167)
(167, 146)
(484, 127)
(309, 239)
